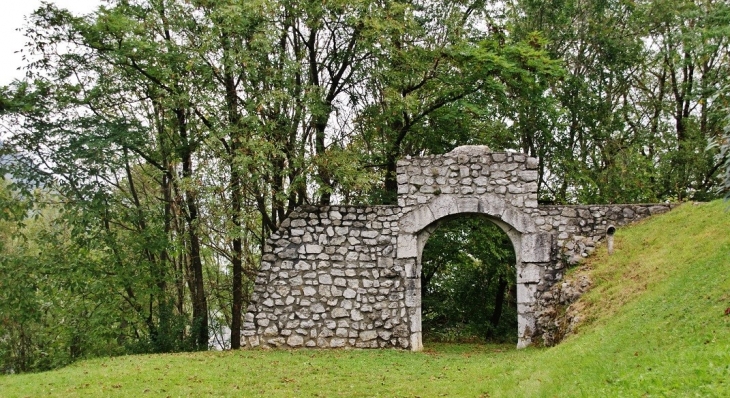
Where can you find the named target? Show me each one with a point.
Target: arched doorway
(532, 254)
(468, 281)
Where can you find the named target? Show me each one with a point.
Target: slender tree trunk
(498, 304)
(391, 182)
(391, 162)
(323, 172)
(199, 301)
(234, 121)
(236, 206)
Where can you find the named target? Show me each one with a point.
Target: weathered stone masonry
(344, 276)
(329, 279)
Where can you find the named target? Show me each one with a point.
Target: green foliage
(52, 310)
(467, 264)
(638, 104)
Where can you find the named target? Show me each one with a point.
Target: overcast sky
(12, 17)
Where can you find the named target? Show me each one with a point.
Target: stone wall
(578, 229)
(328, 279)
(344, 276)
(468, 172)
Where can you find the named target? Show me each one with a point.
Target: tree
(102, 111)
(635, 111)
(438, 73)
(690, 43)
(58, 298)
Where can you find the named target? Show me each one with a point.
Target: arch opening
(468, 275)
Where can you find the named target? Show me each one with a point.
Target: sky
(12, 17)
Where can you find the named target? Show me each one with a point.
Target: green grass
(655, 326)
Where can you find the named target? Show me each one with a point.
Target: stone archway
(449, 222)
(532, 253)
(349, 276)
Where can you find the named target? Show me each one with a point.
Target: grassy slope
(655, 327)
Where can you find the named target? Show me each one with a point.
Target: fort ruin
(349, 276)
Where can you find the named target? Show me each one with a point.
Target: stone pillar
(535, 254)
(413, 304)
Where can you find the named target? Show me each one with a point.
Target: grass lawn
(655, 326)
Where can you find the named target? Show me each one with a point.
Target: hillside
(655, 325)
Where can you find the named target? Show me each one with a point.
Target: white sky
(12, 17)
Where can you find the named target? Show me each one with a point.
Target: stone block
(385, 262)
(409, 265)
(313, 249)
(407, 246)
(526, 293)
(525, 327)
(530, 187)
(443, 206)
(416, 343)
(416, 219)
(413, 292)
(356, 315)
(415, 324)
(339, 313)
(295, 340)
(536, 248)
(518, 220)
(271, 331)
(492, 205)
(515, 189)
(468, 205)
(367, 335)
(529, 273)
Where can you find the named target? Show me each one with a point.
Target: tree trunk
(236, 199)
(498, 304)
(199, 301)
